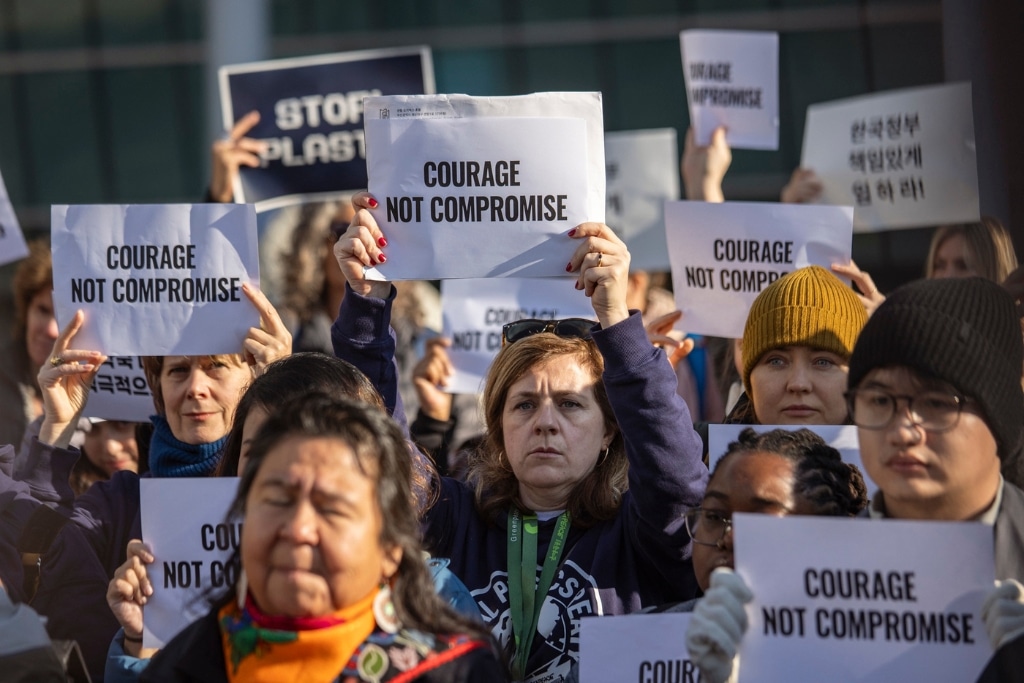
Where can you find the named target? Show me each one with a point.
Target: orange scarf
(260, 648)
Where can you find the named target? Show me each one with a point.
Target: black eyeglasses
(707, 527)
(566, 327)
(935, 411)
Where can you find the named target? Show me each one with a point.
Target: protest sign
(844, 600)
(156, 279)
(723, 255)
(311, 115)
(732, 80)
(119, 391)
(474, 312)
(483, 187)
(649, 648)
(642, 172)
(12, 241)
(184, 523)
(903, 158)
(843, 438)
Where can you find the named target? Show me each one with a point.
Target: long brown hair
(598, 496)
(989, 248)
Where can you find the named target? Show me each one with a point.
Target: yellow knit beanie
(808, 307)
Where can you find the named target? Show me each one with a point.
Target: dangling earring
(241, 588)
(384, 610)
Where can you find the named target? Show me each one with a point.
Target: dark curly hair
(835, 488)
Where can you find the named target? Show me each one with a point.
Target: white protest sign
(732, 80)
(642, 172)
(156, 279)
(903, 158)
(483, 187)
(723, 255)
(311, 118)
(119, 391)
(843, 438)
(474, 312)
(12, 241)
(845, 600)
(636, 647)
(183, 521)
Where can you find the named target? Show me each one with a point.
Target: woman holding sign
(195, 399)
(577, 414)
(334, 583)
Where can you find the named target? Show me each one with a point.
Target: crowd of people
(374, 550)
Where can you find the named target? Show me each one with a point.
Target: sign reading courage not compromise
(311, 116)
(157, 279)
(845, 600)
(483, 187)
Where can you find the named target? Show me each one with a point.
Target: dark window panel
(11, 144)
(474, 72)
(50, 24)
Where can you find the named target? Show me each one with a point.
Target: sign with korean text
(475, 311)
(636, 647)
(12, 241)
(487, 188)
(723, 255)
(903, 159)
(848, 600)
(732, 80)
(642, 172)
(311, 116)
(184, 522)
(119, 391)
(156, 279)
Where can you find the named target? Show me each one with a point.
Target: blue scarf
(169, 457)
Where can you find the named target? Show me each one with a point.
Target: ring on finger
(600, 257)
(56, 360)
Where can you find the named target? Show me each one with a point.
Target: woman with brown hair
(589, 462)
(34, 332)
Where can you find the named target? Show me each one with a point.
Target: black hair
(835, 488)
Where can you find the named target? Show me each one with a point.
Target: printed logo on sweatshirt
(558, 626)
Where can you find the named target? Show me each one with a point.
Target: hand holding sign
(361, 248)
(431, 373)
(704, 167)
(869, 294)
(603, 262)
(64, 381)
(718, 624)
(229, 153)
(804, 187)
(128, 592)
(659, 331)
(271, 340)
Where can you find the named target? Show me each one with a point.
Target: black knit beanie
(963, 331)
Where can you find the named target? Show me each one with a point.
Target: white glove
(1003, 613)
(718, 624)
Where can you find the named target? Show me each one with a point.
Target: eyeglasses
(337, 229)
(935, 411)
(707, 527)
(567, 327)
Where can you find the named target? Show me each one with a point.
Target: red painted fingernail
(578, 285)
(568, 267)
(572, 232)
(372, 202)
(382, 258)
(381, 242)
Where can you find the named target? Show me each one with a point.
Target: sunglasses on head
(567, 327)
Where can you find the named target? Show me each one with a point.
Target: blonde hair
(989, 248)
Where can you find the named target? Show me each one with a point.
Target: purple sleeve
(362, 335)
(666, 472)
(46, 472)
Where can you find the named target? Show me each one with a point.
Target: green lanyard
(522, 579)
